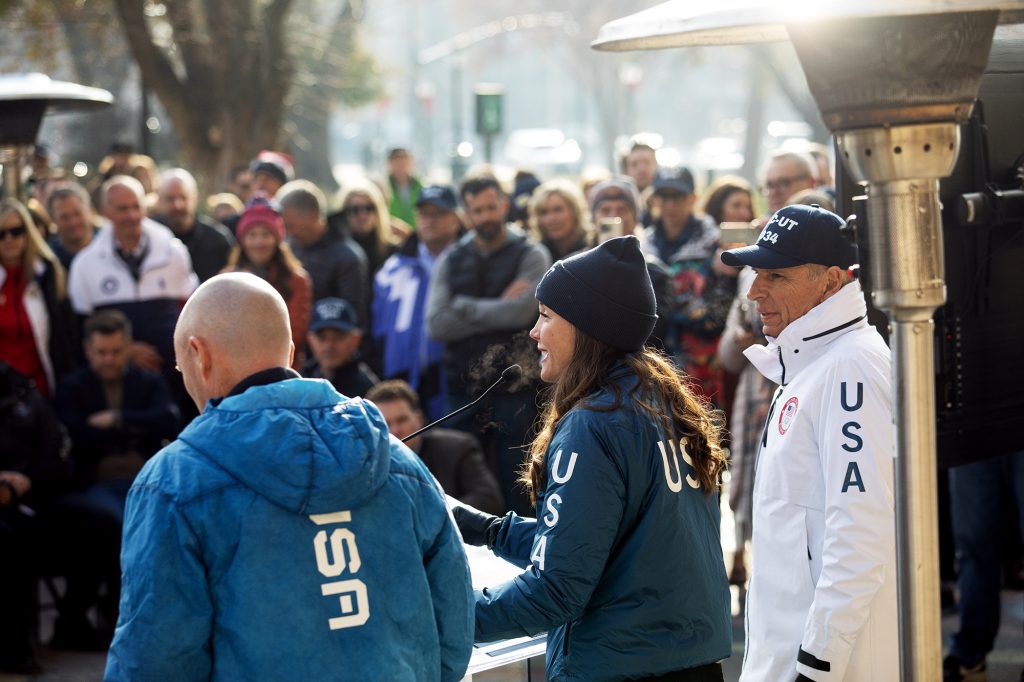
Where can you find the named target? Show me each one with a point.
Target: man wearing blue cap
(334, 337)
(822, 597)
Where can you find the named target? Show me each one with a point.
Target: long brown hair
(661, 391)
(719, 191)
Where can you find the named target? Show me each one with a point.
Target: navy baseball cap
(676, 179)
(334, 313)
(797, 235)
(441, 196)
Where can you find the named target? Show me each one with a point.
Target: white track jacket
(822, 598)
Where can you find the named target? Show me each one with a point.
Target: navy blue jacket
(625, 566)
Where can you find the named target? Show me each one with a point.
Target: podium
(488, 570)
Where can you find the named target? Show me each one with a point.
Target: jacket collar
(698, 238)
(261, 378)
(159, 236)
(808, 337)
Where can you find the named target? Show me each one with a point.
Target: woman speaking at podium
(624, 565)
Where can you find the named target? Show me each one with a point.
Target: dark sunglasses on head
(356, 209)
(17, 231)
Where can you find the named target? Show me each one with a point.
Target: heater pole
(900, 166)
(11, 158)
(917, 538)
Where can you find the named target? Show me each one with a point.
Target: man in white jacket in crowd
(822, 599)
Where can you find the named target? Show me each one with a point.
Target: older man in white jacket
(822, 597)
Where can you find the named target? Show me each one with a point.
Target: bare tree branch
(154, 64)
(230, 27)
(192, 45)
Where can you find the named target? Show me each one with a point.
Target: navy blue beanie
(605, 292)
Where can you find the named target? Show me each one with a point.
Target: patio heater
(893, 81)
(24, 100)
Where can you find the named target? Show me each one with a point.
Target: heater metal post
(11, 156)
(900, 166)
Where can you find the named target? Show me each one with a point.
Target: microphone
(510, 374)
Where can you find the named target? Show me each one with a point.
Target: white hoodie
(822, 600)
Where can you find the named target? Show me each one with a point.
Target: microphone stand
(505, 376)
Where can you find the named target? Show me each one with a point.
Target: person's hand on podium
(477, 527)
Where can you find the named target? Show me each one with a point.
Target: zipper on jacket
(565, 642)
(833, 330)
(767, 421)
(783, 363)
(771, 410)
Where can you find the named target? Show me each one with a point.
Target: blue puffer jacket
(625, 562)
(285, 536)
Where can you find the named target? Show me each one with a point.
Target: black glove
(477, 527)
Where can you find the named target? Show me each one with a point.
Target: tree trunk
(225, 91)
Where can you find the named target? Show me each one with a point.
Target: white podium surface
(488, 570)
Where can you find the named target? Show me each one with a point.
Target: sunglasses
(13, 232)
(356, 209)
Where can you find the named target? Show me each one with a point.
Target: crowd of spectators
(427, 286)
(414, 294)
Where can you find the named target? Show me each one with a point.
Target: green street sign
(488, 109)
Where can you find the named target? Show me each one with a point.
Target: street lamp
(893, 80)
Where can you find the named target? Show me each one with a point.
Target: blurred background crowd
(402, 173)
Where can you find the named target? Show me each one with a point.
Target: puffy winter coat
(284, 536)
(99, 279)
(625, 566)
(822, 597)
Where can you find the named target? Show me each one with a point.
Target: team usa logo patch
(109, 285)
(787, 415)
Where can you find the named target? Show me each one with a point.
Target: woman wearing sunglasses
(623, 563)
(366, 216)
(34, 315)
